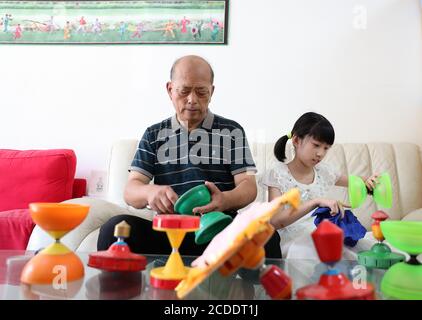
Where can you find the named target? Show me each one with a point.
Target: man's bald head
(191, 61)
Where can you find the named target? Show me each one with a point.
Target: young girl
(312, 136)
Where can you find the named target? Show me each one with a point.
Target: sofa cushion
(16, 227)
(35, 175)
(79, 188)
(401, 160)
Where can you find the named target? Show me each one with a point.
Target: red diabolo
(328, 240)
(276, 282)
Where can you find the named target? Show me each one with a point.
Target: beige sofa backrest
(401, 160)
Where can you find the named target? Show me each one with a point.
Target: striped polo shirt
(216, 151)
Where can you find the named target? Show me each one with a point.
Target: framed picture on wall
(114, 22)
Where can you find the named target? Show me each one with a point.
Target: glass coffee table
(99, 285)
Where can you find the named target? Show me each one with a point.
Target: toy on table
(404, 279)
(382, 193)
(380, 255)
(118, 257)
(276, 282)
(176, 226)
(56, 265)
(332, 285)
(211, 223)
(240, 245)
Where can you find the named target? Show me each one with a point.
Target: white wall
(284, 57)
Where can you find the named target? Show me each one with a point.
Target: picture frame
(114, 22)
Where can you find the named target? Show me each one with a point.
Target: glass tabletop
(101, 285)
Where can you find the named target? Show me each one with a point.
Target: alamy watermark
(60, 281)
(203, 147)
(360, 17)
(359, 277)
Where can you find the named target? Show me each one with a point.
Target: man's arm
(244, 193)
(136, 190)
(139, 193)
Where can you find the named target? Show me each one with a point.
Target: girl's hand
(371, 182)
(334, 205)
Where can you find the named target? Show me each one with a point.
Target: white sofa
(401, 160)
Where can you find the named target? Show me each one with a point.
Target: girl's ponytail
(280, 148)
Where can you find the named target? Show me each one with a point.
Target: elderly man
(193, 147)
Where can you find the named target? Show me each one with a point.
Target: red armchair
(33, 176)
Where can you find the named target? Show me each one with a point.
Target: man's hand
(162, 199)
(217, 200)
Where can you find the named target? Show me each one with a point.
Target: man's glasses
(200, 92)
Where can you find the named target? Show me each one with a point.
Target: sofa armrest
(89, 244)
(79, 188)
(415, 215)
(99, 213)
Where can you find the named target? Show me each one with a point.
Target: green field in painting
(109, 36)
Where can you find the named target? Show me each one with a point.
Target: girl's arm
(285, 217)
(370, 182)
(343, 181)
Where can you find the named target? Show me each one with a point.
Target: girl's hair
(309, 124)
